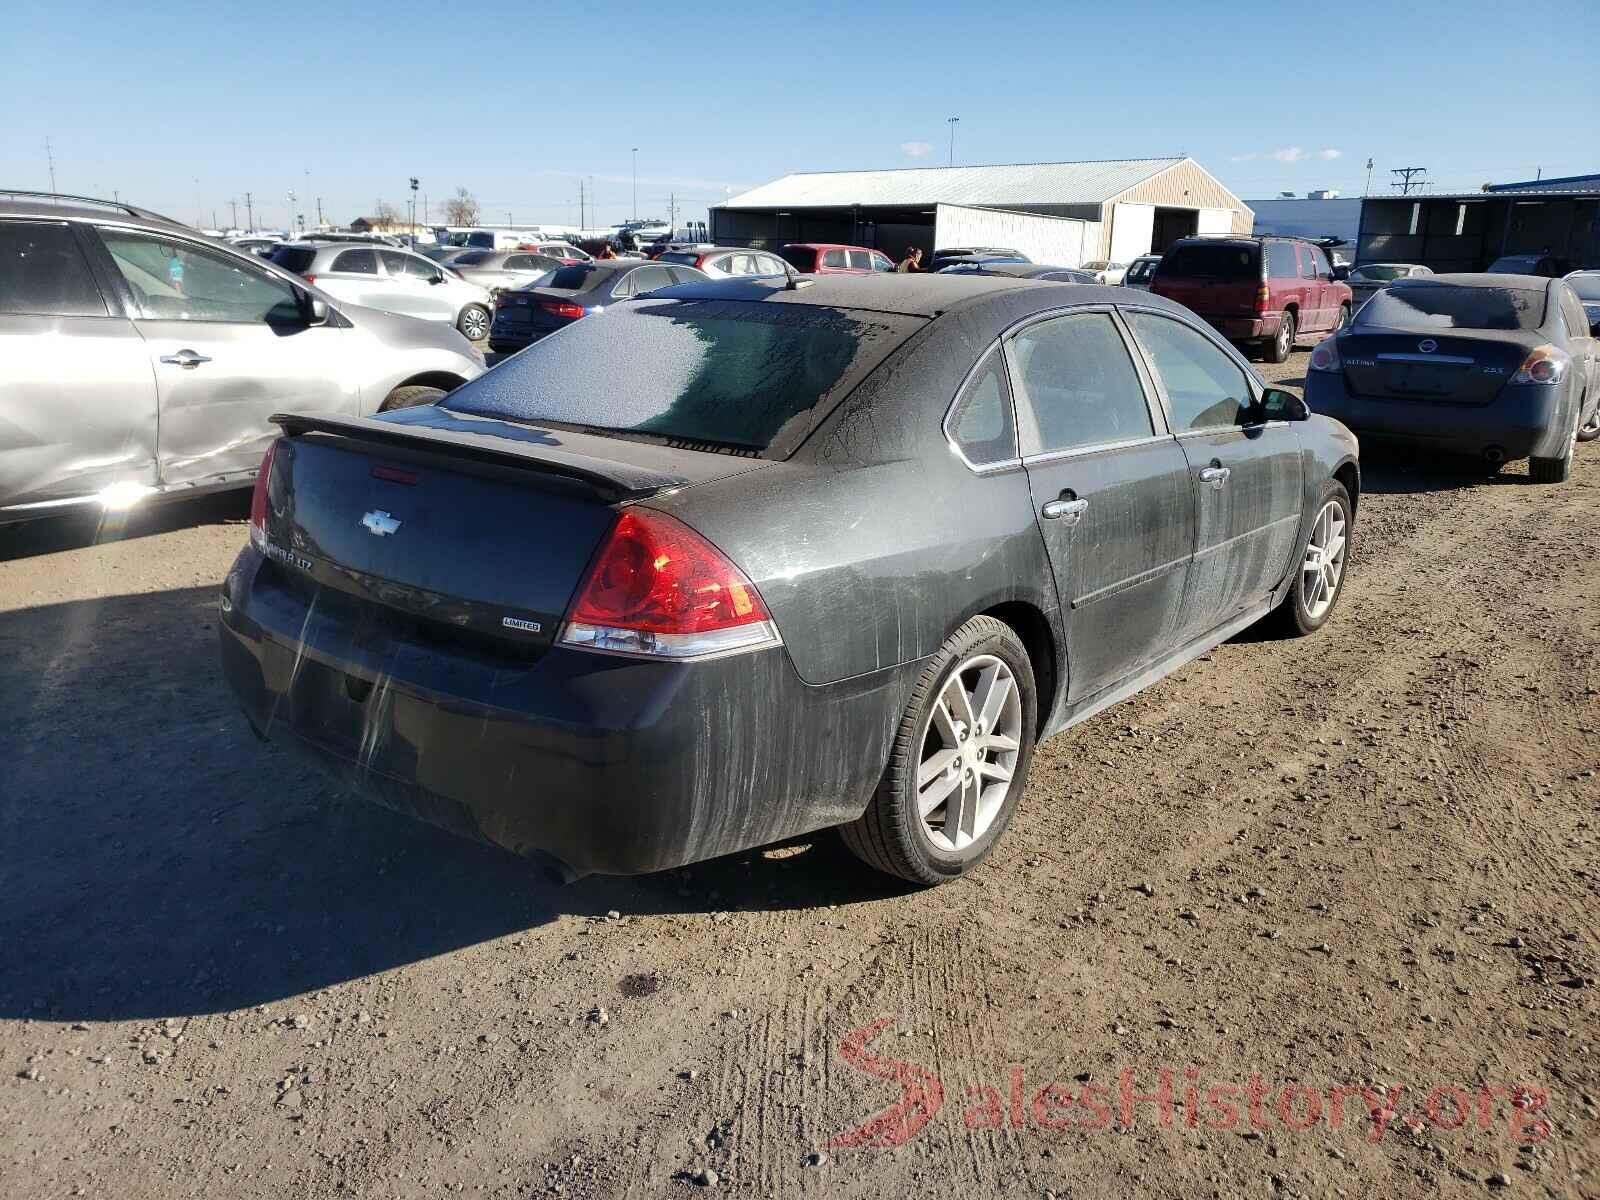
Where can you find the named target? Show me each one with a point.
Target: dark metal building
(1469, 230)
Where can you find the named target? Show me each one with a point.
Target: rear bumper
(608, 764)
(1245, 329)
(1522, 420)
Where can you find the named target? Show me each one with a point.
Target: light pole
(951, 121)
(636, 183)
(290, 229)
(413, 212)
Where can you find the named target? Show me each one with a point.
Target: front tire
(1590, 430)
(1320, 570)
(473, 323)
(1279, 347)
(959, 761)
(410, 397)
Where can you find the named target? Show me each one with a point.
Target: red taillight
(659, 588)
(1326, 356)
(258, 498)
(1544, 364)
(1263, 299)
(309, 278)
(562, 308)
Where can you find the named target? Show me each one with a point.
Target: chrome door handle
(1070, 510)
(185, 358)
(1215, 476)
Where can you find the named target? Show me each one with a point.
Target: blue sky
(182, 107)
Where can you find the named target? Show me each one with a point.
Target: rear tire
(473, 323)
(1554, 470)
(410, 397)
(1313, 596)
(1590, 431)
(1279, 347)
(984, 659)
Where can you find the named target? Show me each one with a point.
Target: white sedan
(1106, 272)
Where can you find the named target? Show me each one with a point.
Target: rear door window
(418, 267)
(393, 262)
(42, 271)
(648, 279)
(860, 260)
(1205, 388)
(833, 258)
(1281, 260)
(1308, 266)
(1079, 387)
(356, 262)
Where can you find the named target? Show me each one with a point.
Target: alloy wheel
(1285, 338)
(1324, 560)
(969, 752)
(474, 324)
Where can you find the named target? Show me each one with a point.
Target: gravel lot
(1367, 858)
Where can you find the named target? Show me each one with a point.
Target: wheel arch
(439, 379)
(1033, 628)
(1349, 474)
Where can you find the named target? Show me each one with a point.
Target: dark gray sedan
(567, 294)
(1500, 367)
(748, 559)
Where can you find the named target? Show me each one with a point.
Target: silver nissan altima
(143, 360)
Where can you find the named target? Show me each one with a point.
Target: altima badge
(1427, 345)
(380, 523)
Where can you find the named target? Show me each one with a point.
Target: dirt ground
(1294, 870)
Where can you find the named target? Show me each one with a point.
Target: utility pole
(319, 212)
(234, 219)
(1368, 189)
(199, 217)
(636, 183)
(249, 213)
(50, 158)
(582, 211)
(951, 121)
(1408, 178)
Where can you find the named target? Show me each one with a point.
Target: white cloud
(1288, 154)
(1243, 157)
(915, 149)
(1329, 154)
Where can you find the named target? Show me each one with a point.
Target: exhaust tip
(1494, 454)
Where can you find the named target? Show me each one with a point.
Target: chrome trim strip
(1452, 359)
(1050, 456)
(1216, 429)
(1131, 581)
(1238, 537)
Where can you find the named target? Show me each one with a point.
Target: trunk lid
(463, 528)
(1438, 367)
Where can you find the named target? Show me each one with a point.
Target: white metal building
(1064, 213)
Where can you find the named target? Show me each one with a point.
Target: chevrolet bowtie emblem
(379, 523)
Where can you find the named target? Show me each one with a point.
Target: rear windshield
(1142, 270)
(471, 258)
(293, 258)
(798, 258)
(575, 278)
(678, 256)
(746, 375)
(1215, 261)
(1440, 306)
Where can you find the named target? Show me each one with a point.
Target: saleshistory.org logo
(1178, 1096)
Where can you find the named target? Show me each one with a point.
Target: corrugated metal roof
(1003, 185)
(1567, 183)
(1567, 193)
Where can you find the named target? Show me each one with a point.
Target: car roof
(83, 208)
(827, 246)
(912, 295)
(1483, 279)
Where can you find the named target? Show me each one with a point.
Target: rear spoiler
(613, 480)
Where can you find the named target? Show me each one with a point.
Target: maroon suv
(1269, 292)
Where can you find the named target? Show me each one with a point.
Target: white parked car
(1106, 272)
(499, 269)
(396, 281)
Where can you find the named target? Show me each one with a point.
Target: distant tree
(461, 209)
(384, 217)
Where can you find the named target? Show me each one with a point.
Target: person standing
(911, 262)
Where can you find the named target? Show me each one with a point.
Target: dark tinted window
(1217, 260)
(1376, 274)
(1205, 388)
(679, 256)
(982, 423)
(861, 260)
(356, 262)
(748, 375)
(43, 271)
(470, 259)
(1408, 305)
(1141, 271)
(648, 279)
(293, 258)
(575, 277)
(801, 258)
(1079, 384)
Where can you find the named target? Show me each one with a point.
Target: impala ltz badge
(379, 523)
(1427, 345)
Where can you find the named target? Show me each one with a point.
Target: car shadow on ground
(1395, 471)
(158, 861)
(51, 535)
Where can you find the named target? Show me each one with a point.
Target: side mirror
(1341, 273)
(316, 310)
(436, 277)
(1278, 405)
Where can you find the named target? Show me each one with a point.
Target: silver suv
(395, 281)
(144, 360)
